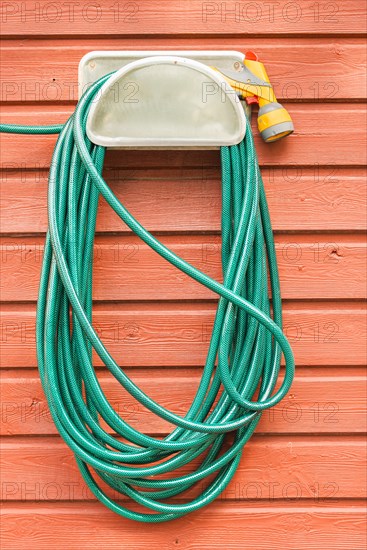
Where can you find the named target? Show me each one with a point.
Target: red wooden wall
(301, 483)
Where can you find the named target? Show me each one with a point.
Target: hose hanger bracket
(166, 102)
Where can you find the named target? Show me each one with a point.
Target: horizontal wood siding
(301, 482)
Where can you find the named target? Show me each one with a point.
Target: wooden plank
(147, 17)
(321, 400)
(310, 266)
(317, 128)
(44, 469)
(166, 334)
(289, 525)
(299, 199)
(36, 70)
(300, 483)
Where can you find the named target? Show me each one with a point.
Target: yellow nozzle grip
(274, 122)
(278, 116)
(257, 68)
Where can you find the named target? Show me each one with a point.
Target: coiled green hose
(243, 360)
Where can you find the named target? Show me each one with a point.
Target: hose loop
(242, 366)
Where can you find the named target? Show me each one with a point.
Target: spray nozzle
(253, 85)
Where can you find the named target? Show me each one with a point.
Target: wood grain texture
(302, 479)
(325, 135)
(166, 334)
(35, 70)
(309, 267)
(321, 401)
(189, 200)
(316, 468)
(286, 525)
(167, 17)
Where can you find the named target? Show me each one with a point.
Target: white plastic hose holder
(163, 101)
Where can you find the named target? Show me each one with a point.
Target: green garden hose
(243, 361)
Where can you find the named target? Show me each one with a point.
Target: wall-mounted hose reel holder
(154, 100)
